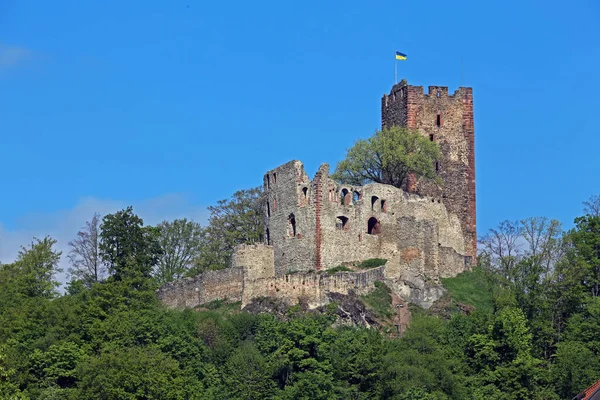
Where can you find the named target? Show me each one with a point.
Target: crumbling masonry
(425, 231)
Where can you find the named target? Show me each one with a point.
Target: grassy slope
(470, 287)
(379, 301)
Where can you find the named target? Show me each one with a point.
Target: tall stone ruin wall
(320, 224)
(448, 120)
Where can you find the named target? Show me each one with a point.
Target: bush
(372, 263)
(339, 268)
(380, 300)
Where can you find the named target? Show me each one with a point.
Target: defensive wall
(424, 230)
(319, 224)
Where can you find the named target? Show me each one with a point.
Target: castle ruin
(424, 230)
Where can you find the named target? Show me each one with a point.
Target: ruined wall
(313, 287)
(226, 284)
(333, 224)
(290, 217)
(448, 120)
(256, 259)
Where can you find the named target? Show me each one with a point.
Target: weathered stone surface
(320, 224)
(448, 120)
(226, 284)
(425, 231)
(312, 287)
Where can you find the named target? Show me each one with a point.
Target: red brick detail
(318, 207)
(469, 131)
(414, 94)
(411, 185)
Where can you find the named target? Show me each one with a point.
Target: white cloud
(12, 56)
(63, 225)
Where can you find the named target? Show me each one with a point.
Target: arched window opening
(305, 192)
(344, 197)
(355, 197)
(292, 225)
(383, 206)
(341, 223)
(268, 209)
(373, 201)
(373, 226)
(268, 236)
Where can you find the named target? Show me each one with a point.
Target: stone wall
(256, 259)
(448, 120)
(321, 224)
(312, 287)
(290, 217)
(226, 284)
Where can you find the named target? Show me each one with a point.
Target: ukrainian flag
(400, 56)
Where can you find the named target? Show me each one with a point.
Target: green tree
(180, 242)
(389, 156)
(238, 220)
(584, 254)
(131, 374)
(128, 247)
(248, 375)
(34, 270)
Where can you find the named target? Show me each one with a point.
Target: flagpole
(462, 71)
(395, 69)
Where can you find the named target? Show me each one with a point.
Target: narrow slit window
(383, 206)
(438, 120)
(292, 225)
(268, 209)
(305, 192)
(431, 137)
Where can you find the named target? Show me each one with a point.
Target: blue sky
(172, 105)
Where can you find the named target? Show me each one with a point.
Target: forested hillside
(524, 324)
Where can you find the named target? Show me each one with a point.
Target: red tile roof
(591, 393)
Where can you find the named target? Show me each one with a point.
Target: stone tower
(447, 120)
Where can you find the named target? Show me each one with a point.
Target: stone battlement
(425, 231)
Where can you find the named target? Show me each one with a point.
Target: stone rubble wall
(226, 284)
(312, 287)
(331, 224)
(256, 259)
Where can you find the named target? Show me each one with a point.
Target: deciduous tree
(128, 248)
(84, 255)
(389, 156)
(238, 220)
(180, 241)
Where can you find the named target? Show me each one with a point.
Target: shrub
(372, 263)
(339, 268)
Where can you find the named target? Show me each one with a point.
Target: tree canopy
(532, 332)
(388, 157)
